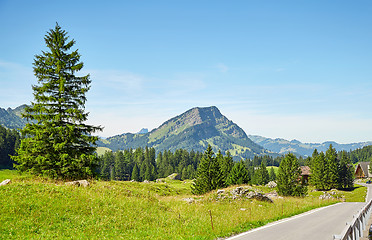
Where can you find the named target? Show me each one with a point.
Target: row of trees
(142, 164)
(331, 170)
(217, 171)
(9, 142)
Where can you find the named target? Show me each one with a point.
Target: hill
(12, 118)
(282, 146)
(192, 130)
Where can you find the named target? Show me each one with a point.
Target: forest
(9, 142)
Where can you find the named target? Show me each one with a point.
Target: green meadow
(39, 208)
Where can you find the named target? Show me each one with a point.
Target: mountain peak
(194, 130)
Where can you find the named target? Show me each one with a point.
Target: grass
(101, 150)
(37, 208)
(276, 169)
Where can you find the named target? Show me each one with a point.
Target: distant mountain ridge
(283, 146)
(12, 118)
(192, 130)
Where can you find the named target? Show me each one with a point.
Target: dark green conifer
(288, 178)
(208, 175)
(272, 175)
(261, 175)
(238, 175)
(135, 174)
(226, 165)
(332, 163)
(346, 172)
(57, 142)
(318, 171)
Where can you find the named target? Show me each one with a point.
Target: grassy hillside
(36, 208)
(101, 150)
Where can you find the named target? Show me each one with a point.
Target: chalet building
(305, 173)
(362, 170)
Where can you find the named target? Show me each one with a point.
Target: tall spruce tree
(288, 178)
(272, 175)
(239, 174)
(261, 175)
(332, 163)
(346, 171)
(226, 165)
(57, 143)
(208, 176)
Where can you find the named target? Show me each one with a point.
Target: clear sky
(280, 69)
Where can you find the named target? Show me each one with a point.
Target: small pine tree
(288, 177)
(119, 166)
(346, 170)
(318, 171)
(208, 175)
(135, 174)
(261, 175)
(239, 174)
(332, 163)
(272, 175)
(226, 164)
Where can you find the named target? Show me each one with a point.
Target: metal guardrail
(354, 230)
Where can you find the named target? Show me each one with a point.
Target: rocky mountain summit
(192, 130)
(12, 118)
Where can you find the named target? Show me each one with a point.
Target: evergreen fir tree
(272, 175)
(288, 177)
(119, 166)
(226, 165)
(346, 172)
(332, 175)
(135, 174)
(239, 174)
(107, 165)
(318, 171)
(251, 173)
(261, 175)
(208, 175)
(57, 143)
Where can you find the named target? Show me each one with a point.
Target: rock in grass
(220, 191)
(83, 183)
(188, 200)
(5, 182)
(259, 196)
(174, 176)
(271, 184)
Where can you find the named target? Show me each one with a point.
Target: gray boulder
(78, 183)
(259, 196)
(174, 176)
(189, 200)
(5, 182)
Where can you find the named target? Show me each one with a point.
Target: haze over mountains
(194, 130)
(283, 146)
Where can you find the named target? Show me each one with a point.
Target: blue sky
(280, 69)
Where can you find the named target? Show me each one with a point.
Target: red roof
(305, 170)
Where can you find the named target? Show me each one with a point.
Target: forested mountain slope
(192, 130)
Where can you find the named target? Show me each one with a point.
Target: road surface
(317, 224)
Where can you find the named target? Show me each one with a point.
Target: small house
(305, 174)
(362, 170)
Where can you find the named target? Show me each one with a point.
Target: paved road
(317, 224)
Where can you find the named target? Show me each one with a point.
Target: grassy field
(37, 208)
